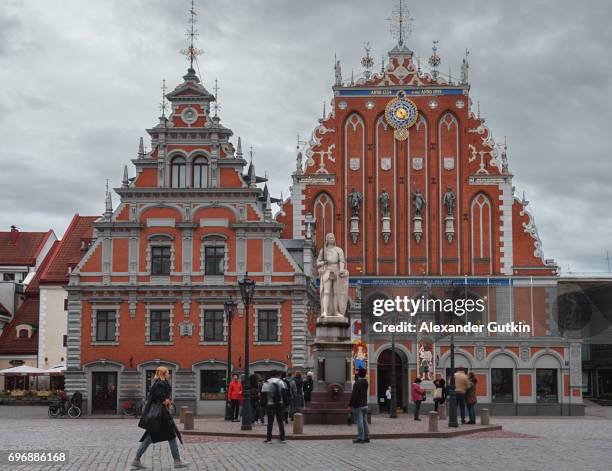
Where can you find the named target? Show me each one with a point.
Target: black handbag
(152, 416)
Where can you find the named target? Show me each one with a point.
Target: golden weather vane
(400, 19)
(192, 34)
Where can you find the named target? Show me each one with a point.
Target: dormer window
(178, 172)
(23, 334)
(200, 172)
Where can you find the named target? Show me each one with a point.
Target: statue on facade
(419, 202)
(333, 279)
(449, 201)
(355, 199)
(385, 203)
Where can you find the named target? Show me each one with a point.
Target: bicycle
(58, 409)
(133, 408)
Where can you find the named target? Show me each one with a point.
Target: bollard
(433, 421)
(182, 416)
(298, 423)
(442, 411)
(485, 418)
(188, 421)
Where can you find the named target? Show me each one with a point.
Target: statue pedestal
(331, 353)
(450, 229)
(386, 229)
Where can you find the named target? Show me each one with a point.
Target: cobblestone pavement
(556, 443)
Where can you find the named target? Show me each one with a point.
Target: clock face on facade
(401, 114)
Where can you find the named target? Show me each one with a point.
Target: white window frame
(94, 323)
(159, 307)
(213, 307)
(214, 240)
(272, 307)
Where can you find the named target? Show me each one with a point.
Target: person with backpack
(276, 398)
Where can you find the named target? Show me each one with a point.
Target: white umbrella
(55, 370)
(23, 370)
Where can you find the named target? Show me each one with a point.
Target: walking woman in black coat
(157, 421)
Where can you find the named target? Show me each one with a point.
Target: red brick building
(408, 177)
(151, 288)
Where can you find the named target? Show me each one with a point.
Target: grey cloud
(80, 85)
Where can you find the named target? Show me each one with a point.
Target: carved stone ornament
(186, 328)
(417, 163)
(449, 163)
(385, 163)
(354, 163)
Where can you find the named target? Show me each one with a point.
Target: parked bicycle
(133, 408)
(61, 408)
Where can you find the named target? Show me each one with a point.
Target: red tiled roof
(26, 314)
(70, 250)
(25, 250)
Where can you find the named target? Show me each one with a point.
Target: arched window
(200, 173)
(178, 173)
(324, 215)
(481, 235)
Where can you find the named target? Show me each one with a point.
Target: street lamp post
(452, 395)
(229, 307)
(393, 402)
(247, 289)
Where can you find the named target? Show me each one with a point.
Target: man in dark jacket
(274, 392)
(359, 405)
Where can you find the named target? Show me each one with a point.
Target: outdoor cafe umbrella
(24, 370)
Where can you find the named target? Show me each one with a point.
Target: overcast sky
(80, 81)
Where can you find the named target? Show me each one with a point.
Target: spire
(337, 72)
(126, 182)
(434, 60)
(504, 156)
(465, 65)
(399, 23)
(239, 149)
(252, 178)
(191, 51)
(216, 104)
(108, 211)
(162, 105)
(366, 61)
(141, 151)
(450, 75)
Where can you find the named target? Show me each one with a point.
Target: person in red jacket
(234, 393)
(418, 395)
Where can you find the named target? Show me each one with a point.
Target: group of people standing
(295, 394)
(465, 393)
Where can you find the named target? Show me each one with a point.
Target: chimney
(14, 235)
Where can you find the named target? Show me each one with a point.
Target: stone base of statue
(386, 229)
(331, 352)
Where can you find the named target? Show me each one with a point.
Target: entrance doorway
(383, 376)
(104, 392)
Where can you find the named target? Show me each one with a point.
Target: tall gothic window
(324, 214)
(200, 173)
(178, 172)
